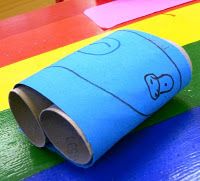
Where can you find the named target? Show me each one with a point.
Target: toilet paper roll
(98, 94)
(26, 106)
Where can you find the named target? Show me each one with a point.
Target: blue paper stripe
(167, 151)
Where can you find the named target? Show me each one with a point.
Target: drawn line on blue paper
(101, 88)
(110, 50)
(180, 77)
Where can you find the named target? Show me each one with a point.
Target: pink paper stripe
(120, 11)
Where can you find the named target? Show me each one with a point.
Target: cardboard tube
(26, 105)
(65, 135)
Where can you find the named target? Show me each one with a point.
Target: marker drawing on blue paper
(100, 93)
(158, 85)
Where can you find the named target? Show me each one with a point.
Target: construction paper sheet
(119, 11)
(167, 151)
(94, 76)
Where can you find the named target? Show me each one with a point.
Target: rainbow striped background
(166, 145)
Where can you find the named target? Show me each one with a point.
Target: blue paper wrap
(109, 87)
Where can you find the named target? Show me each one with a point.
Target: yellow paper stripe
(181, 26)
(14, 73)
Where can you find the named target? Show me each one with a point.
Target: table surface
(41, 37)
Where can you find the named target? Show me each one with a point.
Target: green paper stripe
(18, 157)
(187, 98)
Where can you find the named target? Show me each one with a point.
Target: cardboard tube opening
(26, 105)
(65, 135)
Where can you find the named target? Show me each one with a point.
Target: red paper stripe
(46, 38)
(41, 17)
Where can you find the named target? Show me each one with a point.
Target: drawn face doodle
(158, 85)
